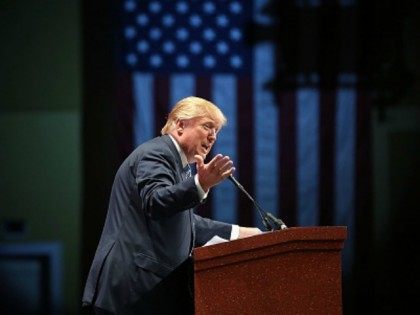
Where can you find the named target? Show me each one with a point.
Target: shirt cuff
(235, 232)
(201, 193)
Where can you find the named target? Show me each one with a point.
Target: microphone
(269, 221)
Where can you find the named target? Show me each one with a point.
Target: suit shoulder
(156, 147)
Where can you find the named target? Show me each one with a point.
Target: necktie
(187, 171)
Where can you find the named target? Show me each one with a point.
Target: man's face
(197, 136)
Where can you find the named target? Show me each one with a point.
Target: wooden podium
(293, 271)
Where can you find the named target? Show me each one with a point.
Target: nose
(212, 134)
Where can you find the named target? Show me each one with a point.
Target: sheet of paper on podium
(216, 240)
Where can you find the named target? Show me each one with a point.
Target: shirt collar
(180, 151)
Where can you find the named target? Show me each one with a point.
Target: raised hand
(212, 173)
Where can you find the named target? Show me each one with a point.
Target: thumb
(199, 160)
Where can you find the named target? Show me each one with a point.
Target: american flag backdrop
(302, 153)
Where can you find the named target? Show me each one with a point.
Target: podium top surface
(332, 237)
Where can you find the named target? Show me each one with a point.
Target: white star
(222, 20)
(235, 34)
(236, 61)
(182, 61)
(222, 48)
(142, 19)
(208, 7)
(131, 59)
(155, 60)
(209, 61)
(195, 47)
(168, 47)
(168, 20)
(235, 7)
(182, 34)
(209, 34)
(155, 33)
(130, 32)
(130, 5)
(195, 20)
(182, 7)
(143, 46)
(155, 7)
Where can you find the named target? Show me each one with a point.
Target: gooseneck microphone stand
(270, 222)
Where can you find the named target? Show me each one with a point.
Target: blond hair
(192, 107)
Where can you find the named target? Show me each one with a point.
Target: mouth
(206, 147)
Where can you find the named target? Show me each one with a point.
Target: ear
(180, 125)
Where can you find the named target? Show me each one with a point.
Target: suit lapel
(175, 154)
(181, 173)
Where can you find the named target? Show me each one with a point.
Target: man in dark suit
(141, 263)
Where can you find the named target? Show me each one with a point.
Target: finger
(212, 164)
(218, 164)
(226, 166)
(228, 173)
(199, 160)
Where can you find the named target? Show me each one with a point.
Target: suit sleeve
(205, 229)
(160, 188)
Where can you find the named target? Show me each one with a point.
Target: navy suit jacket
(150, 227)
